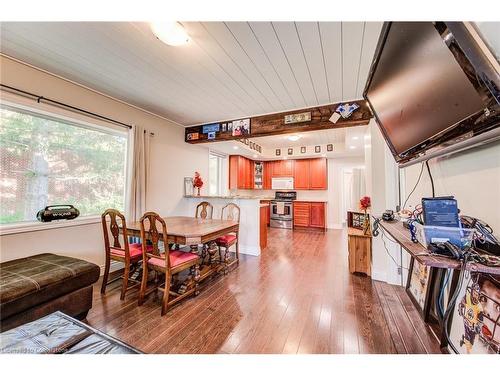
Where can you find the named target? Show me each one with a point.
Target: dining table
(191, 231)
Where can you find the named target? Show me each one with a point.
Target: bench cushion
(59, 333)
(30, 281)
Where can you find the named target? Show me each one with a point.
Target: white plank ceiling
(228, 70)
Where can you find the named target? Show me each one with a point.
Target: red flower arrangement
(365, 203)
(197, 181)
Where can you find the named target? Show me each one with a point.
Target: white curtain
(358, 187)
(139, 173)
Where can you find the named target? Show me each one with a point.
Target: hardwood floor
(297, 297)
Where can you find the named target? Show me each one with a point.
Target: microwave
(282, 183)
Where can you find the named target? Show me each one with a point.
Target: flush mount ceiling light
(294, 138)
(235, 147)
(171, 33)
(352, 147)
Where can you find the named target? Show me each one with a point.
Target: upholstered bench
(35, 286)
(59, 333)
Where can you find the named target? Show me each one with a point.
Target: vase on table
(198, 191)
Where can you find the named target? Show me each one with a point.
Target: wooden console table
(360, 251)
(402, 235)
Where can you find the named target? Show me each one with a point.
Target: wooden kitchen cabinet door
(301, 214)
(250, 174)
(276, 167)
(301, 174)
(317, 216)
(283, 168)
(267, 173)
(287, 168)
(318, 174)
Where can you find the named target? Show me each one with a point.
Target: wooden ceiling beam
(274, 124)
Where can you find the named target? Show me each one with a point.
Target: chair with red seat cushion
(230, 211)
(120, 251)
(170, 262)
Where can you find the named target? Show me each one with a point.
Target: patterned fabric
(58, 333)
(228, 239)
(27, 282)
(176, 258)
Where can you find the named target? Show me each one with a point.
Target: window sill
(38, 226)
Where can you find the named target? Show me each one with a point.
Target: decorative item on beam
(252, 145)
(297, 117)
(338, 115)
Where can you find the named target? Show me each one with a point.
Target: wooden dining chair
(121, 251)
(204, 210)
(230, 211)
(169, 262)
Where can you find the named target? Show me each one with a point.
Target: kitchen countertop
(228, 197)
(310, 200)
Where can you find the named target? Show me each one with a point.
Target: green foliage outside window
(46, 162)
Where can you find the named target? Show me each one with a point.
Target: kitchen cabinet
(301, 214)
(263, 227)
(318, 174)
(301, 173)
(309, 215)
(267, 172)
(317, 218)
(241, 172)
(282, 168)
(267, 211)
(310, 174)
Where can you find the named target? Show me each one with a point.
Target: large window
(47, 161)
(216, 174)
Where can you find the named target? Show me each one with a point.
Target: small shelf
(402, 236)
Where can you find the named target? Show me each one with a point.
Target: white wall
(472, 176)
(382, 187)
(336, 167)
(172, 160)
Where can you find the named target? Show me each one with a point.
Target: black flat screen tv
(425, 91)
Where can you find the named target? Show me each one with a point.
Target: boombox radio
(57, 212)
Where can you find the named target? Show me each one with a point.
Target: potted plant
(364, 205)
(197, 182)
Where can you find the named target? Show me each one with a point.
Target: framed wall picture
(329, 147)
(317, 149)
(420, 278)
(302, 150)
(192, 136)
(356, 219)
(475, 321)
(290, 151)
(241, 127)
(278, 152)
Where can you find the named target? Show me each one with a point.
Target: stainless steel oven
(282, 209)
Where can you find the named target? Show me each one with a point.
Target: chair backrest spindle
(204, 210)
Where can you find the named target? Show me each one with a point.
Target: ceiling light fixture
(235, 147)
(294, 138)
(171, 33)
(355, 138)
(352, 147)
